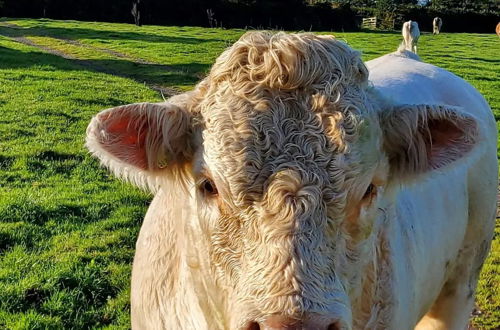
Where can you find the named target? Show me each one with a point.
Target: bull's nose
(279, 322)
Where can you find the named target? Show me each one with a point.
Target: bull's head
(290, 159)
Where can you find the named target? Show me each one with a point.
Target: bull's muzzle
(308, 321)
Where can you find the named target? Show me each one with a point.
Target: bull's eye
(208, 187)
(370, 192)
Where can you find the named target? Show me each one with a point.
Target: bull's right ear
(138, 141)
(422, 138)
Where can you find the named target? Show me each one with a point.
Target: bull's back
(404, 79)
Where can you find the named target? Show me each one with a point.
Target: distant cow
(295, 191)
(437, 22)
(411, 33)
(498, 29)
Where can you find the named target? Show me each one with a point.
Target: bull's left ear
(421, 138)
(140, 142)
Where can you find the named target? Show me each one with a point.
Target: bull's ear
(422, 138)
(138, 141)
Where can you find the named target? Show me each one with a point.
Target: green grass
(67, 228)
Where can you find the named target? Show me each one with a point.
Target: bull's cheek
(358, 223)
(197, 233)
(361, 218)
(366, 221)
(205, 220)
(225, 250)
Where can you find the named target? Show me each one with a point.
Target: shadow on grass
(83, 33)
(178, 74)
(82, 285)
(6, 162)
(150, 74)
(6, 241)
(480, 59)
(49, 163)
(379, 31)
(487, 60)
(33, 213)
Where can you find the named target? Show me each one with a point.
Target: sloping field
(67, 229)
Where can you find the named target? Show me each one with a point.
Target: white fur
(411, 33)
(437, 22)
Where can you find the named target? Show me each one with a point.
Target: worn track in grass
(14, 32)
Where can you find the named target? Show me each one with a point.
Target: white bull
(411, 34)
(295, 192)
(437, 23)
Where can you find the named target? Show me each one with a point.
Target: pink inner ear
(126, 137)
(448, 141)
(443, 133)
(421, 138)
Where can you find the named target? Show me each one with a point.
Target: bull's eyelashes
(370, 193)
(370, 190)
(207, 187)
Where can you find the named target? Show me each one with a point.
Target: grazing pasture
(67, 229)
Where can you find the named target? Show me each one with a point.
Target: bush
(262, 14)
(453, 21)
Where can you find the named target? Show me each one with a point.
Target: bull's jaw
(372, 301)
(212, 296)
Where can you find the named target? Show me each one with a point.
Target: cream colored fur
(437, 23)
(411, 33)
(304, 188)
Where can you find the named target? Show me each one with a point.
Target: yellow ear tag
(162, 162)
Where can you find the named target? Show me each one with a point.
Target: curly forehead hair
(265, 70)
(290, 61)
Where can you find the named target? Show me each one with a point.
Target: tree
(357, 3)
(386, 5)
(136, 12)
(376, 3)
(477, 6)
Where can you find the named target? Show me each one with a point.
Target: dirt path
(117, 54)
(14, 32)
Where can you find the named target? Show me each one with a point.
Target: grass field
(67, 228)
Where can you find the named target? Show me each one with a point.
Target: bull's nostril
(307, 321)
(253, 326)
(334, 326)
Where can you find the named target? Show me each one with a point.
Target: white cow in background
(293, 190)
(411, 33)
(437, 22)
